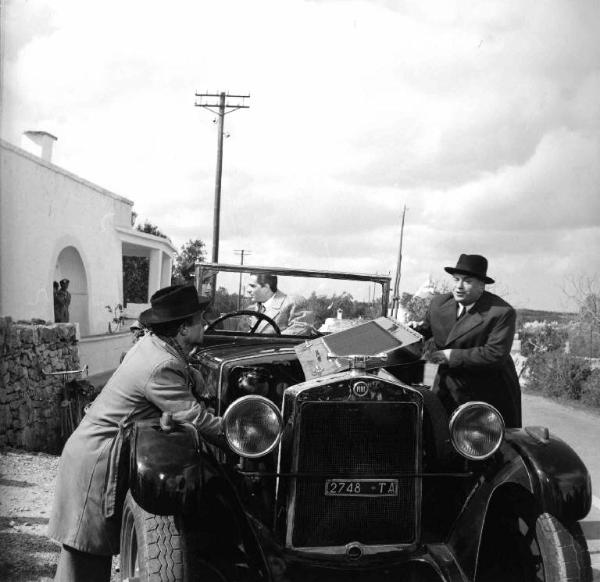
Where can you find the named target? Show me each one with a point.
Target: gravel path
(26, 491)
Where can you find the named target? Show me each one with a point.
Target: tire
(525, 547)
(564, 550)
(159, 548)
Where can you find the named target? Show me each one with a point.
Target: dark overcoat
(152, 378)
(480, 365)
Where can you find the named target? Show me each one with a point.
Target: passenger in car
(473, 332)
(154, 377)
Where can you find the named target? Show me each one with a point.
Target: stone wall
(30, 400)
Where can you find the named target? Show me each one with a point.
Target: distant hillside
(525, 315)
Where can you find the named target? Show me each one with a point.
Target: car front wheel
(522, 547)
(159, 548)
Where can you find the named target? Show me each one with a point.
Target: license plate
(361, 487)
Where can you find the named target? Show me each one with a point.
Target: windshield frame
(204, 271)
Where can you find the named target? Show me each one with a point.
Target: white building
(55, 225)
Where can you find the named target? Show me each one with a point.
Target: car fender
(166, 467)
(543, 466)
(560, 480)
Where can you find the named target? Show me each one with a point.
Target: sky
(481, 118)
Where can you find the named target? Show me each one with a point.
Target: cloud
(482, 118)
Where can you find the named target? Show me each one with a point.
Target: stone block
(5, 418)
(26, 334)
(48, 333)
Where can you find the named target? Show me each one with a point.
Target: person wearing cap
(473, 331)
(154, 377)
(62, 301)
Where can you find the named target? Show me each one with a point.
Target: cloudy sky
(483, 118)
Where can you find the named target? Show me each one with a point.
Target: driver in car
(268, 299)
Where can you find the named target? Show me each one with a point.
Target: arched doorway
(70, 266)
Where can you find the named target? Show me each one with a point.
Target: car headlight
(476, 430)
(252, 426)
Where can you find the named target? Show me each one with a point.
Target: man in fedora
(154, 377)
(472, 333)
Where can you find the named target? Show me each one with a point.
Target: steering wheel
(259, 316)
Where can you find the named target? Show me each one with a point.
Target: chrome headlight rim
(459, 412)
(234, 406)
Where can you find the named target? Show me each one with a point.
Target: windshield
(299, 302)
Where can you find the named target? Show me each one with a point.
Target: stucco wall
(103, 353)
(44, 210)
(54, 225)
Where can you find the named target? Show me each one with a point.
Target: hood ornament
(357, 363)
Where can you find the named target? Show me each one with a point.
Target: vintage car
(353, 474)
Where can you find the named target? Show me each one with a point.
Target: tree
(136, 269)
(150, 228)
(415, 306)
(135, 279)
(191, 252)
(584, 291)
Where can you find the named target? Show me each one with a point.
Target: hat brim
(454, 271)
(149, 316)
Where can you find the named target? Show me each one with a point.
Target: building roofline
(36, 132)
(137, 236)
(66, 173)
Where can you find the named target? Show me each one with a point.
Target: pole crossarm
(223, 108)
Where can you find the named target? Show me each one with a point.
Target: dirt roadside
(26, 491)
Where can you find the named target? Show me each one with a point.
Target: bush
(542, 336)
(557, 374)
(590, 390)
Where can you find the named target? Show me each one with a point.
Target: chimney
(39, 143)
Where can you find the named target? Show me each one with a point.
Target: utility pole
(241, 252)
(396, 293)
(220, 108)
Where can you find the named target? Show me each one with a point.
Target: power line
(220, 108)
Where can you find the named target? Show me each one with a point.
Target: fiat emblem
(360, 389)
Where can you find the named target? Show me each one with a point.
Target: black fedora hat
(173, 303)
(474, 265)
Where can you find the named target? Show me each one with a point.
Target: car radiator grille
(358, 439)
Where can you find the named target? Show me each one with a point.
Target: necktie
(462, 312)
(260, 308)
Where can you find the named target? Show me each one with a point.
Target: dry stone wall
(30, 400)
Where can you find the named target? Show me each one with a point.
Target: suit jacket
(152, 378)
(480, 366)
(279, 308)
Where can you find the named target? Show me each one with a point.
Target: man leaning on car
(473, 331)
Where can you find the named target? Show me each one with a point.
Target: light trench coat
(279, 308)
(151, 379)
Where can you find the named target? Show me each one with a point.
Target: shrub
(542, 336)
(590, 390)
(557, 374)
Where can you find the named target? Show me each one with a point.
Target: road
(581, 429)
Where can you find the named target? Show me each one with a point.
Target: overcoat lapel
(273, 311)
(464, 325)
(448, 316)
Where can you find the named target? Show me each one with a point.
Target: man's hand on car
(440, 356)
